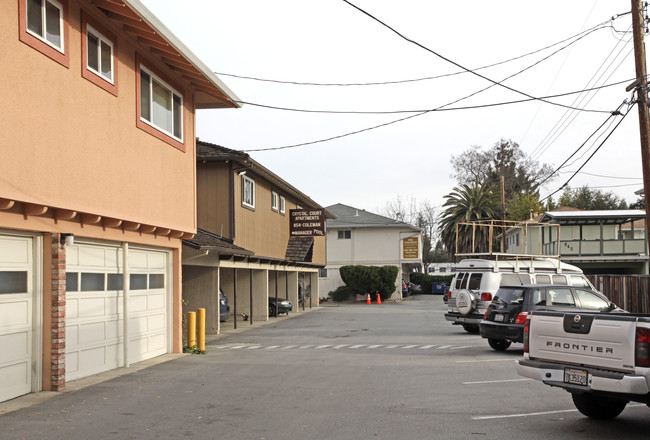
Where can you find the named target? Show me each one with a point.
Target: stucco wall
(68, 143)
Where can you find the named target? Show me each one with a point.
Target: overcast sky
(330, 41)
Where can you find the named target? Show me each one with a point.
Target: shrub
(370, 279)
(342, 293)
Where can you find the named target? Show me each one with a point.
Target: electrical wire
(605, 177)
(586, 161)
(448, 60)
(437, 109)
(577, 37)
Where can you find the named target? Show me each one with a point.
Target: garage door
(16, 315)
(95, 307)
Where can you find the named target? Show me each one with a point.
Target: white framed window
(160, 105)
(248, 192)
(345, 235)
(283, 205)
(274, 201)
(99, 54)
(45, 22)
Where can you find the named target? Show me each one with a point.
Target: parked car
(224, 308)
(506, 315)
(413, 288)
(283, 306)
(405, 289)
(477, 281)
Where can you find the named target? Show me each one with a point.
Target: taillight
(521, 318)
(642, 348)
(486, 296)
(526, 334)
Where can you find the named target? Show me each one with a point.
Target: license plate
(498, 317)
(575, 377)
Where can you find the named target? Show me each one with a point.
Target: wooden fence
(629, 292)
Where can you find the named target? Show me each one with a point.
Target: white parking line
(270, 347)
(253, 347)
(374, 346)
(485, 360)
(495, 381)
(424, 347)
(339, 346)
(442, 347)
(409, 346)
(392, 346)
(357, 346)
(542, 413)
(323, 346)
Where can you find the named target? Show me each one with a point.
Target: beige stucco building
(98, 124)
(359, 237)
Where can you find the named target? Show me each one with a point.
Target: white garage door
(16, 315)
(95, 308)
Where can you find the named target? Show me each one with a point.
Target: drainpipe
(125, 300)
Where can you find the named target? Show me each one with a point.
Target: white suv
(476, 281)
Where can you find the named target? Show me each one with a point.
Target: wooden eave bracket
(6, 203)
(33, 209)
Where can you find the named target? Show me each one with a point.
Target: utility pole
(638, 28)
(503, 214)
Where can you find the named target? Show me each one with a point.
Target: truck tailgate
(597, 340)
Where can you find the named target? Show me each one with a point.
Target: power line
(577, 37)
(437, 109)
(606, 177)
(587, 161)
(464, 68)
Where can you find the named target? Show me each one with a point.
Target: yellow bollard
(200, 321)
(191, 329)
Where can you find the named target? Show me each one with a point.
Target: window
(559, 279)
(161, 106)
(274, 201)
(590, 301)
(475, 281)
(43, 26)
(543, 279)
(514, 279)
(561, 297)
(45, 22)
(99, 54)
(248, 192)
(13, 282)
(460, 280)
(579, 281)
(345, 235)
(282, 205)
(322, 273)
(98, 49)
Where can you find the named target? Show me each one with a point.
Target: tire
(271, 310)
(471, 329)
(598, 407)
(499, 344)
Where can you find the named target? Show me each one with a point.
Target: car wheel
(271, 310)
(499, 344)
(598, 407)
(472, 329)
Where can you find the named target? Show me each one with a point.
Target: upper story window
(248, 192)
(347, 234)
(43, 25)
(99, 54)
(274, 201)
(160, 105)
(283, 205)
(45, 21)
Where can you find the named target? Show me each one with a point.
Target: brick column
(58, 313)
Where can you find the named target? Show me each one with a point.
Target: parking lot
(344, 371)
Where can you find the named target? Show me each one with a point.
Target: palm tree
(468, 203)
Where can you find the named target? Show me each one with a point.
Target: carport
(248, 281)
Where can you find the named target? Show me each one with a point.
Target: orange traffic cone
(378, 298)
(368, 301)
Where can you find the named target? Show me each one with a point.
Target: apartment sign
(410, 249)
(307, 223)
